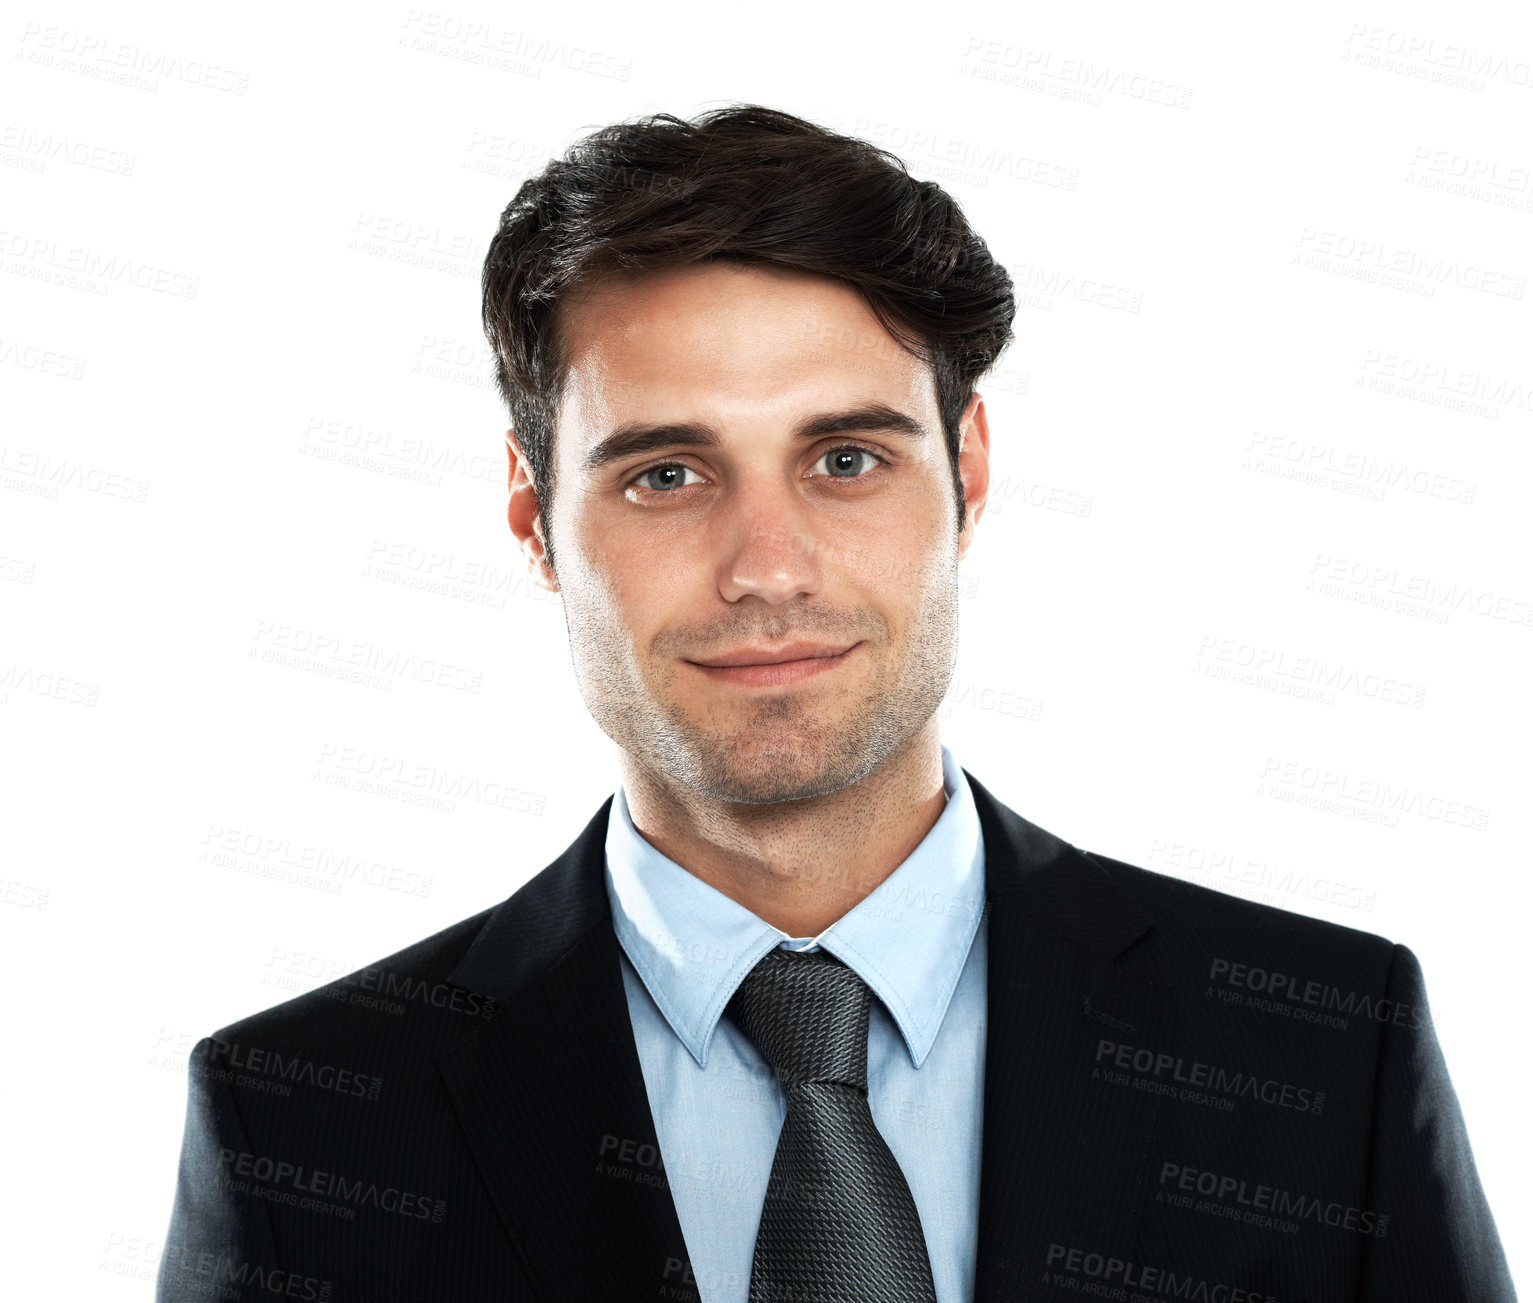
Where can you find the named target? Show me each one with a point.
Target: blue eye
(851, 450)
(668, 467)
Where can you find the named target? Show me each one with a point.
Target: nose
(770, 549)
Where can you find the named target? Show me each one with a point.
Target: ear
(973, 466)
(525, 517)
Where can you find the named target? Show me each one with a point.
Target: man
(805, 1012)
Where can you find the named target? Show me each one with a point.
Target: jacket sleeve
(1440, 1240)
(219, 1245)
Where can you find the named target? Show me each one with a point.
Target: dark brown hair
(751, 185)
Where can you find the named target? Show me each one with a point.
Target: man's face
(673, 550)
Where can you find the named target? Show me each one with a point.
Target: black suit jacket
(1172, 1110)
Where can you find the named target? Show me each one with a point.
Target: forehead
(727, 343)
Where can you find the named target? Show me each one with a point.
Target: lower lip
(771, 676)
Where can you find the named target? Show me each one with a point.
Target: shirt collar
(908, 939)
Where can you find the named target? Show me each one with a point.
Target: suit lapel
(1066, 1156)
(551, 1097)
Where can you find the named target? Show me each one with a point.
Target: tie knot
(807, 1013)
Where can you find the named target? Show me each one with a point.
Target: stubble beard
(792, 744)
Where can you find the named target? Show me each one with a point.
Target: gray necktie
(839, 1224)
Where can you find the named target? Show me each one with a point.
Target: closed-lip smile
(774, 667)
(793, 651)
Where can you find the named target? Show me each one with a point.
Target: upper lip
(793, 651)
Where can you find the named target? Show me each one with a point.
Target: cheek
(629, 592)
(651, 584)
(903, 552)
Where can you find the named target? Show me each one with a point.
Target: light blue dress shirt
(917, 940)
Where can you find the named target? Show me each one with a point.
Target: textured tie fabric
(839, 1224)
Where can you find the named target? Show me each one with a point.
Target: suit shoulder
(389, 990)
(1194, 911)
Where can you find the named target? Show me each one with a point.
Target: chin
(771, 771)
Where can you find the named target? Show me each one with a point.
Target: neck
(798, 865)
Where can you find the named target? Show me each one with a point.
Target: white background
(248, 410)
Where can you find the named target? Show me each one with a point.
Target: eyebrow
(641, 437)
